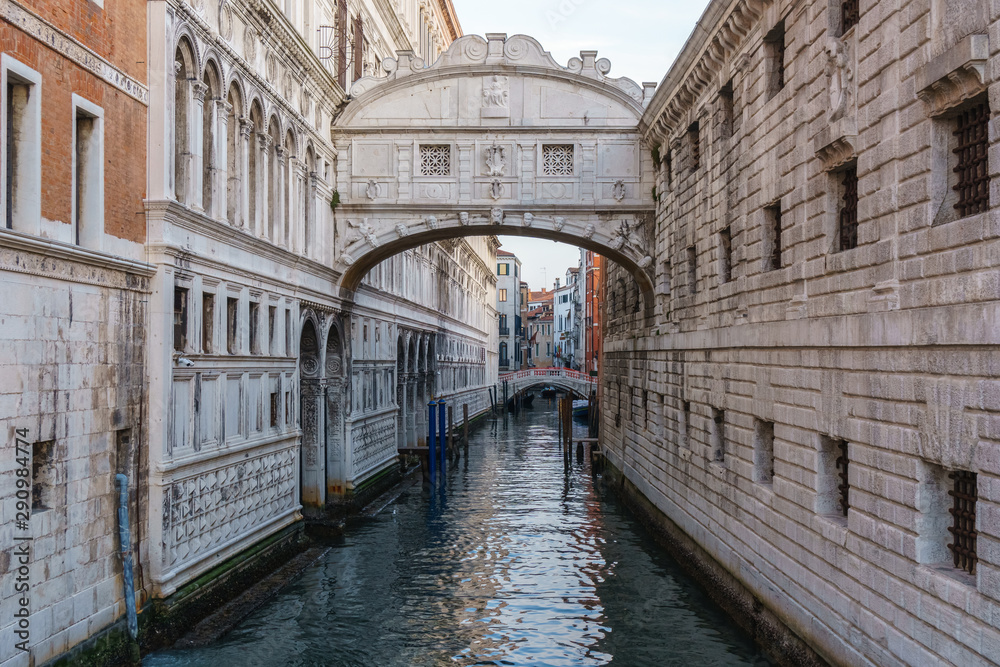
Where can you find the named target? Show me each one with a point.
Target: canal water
(517, 562)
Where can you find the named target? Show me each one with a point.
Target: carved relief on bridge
(494, 135)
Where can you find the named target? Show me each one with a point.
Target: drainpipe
(126, 550)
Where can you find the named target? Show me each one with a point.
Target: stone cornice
(24, 253)
(68, 47)
(720, 33)
(955, 76)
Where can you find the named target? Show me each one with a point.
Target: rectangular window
(503, 269)
(288, 332)
(718, 435)
(726, 109)
(43, 475)
(548, 349)
(972, 168)
(774, 52)
(692, 269)
(694, 144)
(832, 487)
(88, 173)
(207, 321)
(964, 494)
(435, 160)
(667, 276)
(180, 318)
(502, 295)
(763, 452)
(272, 312)
(725, 255)
(274, 410)
(772, 237)
(232, 325)
(557, 159)
(850, 14)
(254, 324)
(686, 426)
(848, 214)
(21, 163)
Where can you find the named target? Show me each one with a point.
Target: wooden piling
(465, 424)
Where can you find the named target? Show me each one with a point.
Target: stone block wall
(74, 372)
(730, 408)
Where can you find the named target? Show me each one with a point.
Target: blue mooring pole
(443, 436)
(431, 451)
(126, 551)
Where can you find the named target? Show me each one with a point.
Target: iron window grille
(774, 258)
(972, 132)
(557, 159)
(963, 515)
(775, 45)
(849, 209)
(694, 139)
(435, 160)
(844, 487)
(850, 14)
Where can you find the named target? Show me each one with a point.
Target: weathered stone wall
(889, 346)
(73, 351)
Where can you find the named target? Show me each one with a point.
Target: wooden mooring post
(465, 426)
(451, 433)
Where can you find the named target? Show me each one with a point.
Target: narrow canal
(516, 563)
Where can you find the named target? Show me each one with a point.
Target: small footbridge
(572, 381)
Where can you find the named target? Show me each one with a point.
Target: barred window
(694, 143)
(848, 227)
(557, 159)
(774, 44)
(725, 255)
(844, 487)
(972, 132)
(435, 160)
(850, 14)
(772, 230)
(963, 516)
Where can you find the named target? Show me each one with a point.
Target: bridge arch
(494, 138)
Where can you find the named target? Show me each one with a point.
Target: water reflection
(518, 562)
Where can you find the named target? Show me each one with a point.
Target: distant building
(565, 320)
(508, 310)
(592, 266)
(524, 350)
(540, 328)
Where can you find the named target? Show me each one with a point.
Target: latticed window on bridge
(557, 159)
(850, 14)
(972, 186)
(849, 208)
(844, 487)
(963, 520)
(435, 160)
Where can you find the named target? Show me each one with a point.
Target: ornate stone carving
(558, 222)
(215, 507)
(431, 222)
(226, 22)
(588, 233)
(463, 218)
(496, 189)
(401, 230)
(839, 77)
(496, 160)
(834, 144)
(250, 44)
(362, 230)
(956, 75)
(374, 442)
(645, 262)
(496, 92)
(373, 189)
(618, 190)
(496, 215)
(527, 220)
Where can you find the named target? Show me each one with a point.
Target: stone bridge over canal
(562, 378)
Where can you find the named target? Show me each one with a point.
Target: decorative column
(262, 192)
(221, 166)
(412, 408)
(311, 234)
(196, 127)
(281, 164)
(243, 177)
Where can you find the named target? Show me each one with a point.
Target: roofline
(454, 27)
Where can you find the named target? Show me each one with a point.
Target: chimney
(557, 283)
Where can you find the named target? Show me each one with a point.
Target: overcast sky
(640, 37)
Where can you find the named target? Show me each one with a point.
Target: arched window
(503, 354)
(234, 157)
(290, 183)
(184, 70)
(273, 193)
(308, 196)
(208, 137)
(254, 167)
